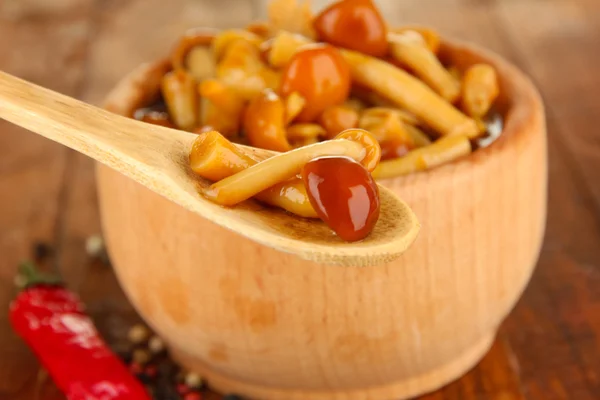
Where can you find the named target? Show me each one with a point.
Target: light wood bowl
(268, 325)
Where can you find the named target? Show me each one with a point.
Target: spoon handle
(116, 141)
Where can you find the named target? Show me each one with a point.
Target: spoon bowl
(157, 157)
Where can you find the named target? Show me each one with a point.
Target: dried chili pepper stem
(30, 276)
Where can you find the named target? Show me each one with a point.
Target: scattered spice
(41, 251)
(141, 370)
(182, 388)
(95, 248)
(136, 368)
(141, 356)
(138, 334)
(94, 245)
(193, 380)
(20, 281)
(156, 345)
(151, 371)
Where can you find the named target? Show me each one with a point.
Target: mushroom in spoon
(157, 157)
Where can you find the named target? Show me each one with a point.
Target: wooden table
(548, 348)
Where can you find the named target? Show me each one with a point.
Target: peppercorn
(182, 388)
(136, 368)
(94, 245)
(138, 334)
(125, 356)
(164, 392)
(167, 371)
(156, 345)
(141, 356)
(151, 371)
(41, 251)
(193, 380)
(20, 281)
(144, 378)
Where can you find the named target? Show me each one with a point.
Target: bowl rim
(524, 112)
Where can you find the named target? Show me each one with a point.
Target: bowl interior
(518, 102)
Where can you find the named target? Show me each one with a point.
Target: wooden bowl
(268, 325)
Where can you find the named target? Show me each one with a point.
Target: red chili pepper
(52, 322)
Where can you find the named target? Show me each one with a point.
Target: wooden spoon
(157, 158)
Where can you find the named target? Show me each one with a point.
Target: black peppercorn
(41, 251)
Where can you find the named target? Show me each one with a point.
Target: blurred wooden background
(549, 347)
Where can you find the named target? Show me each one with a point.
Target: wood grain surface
(548, 348)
